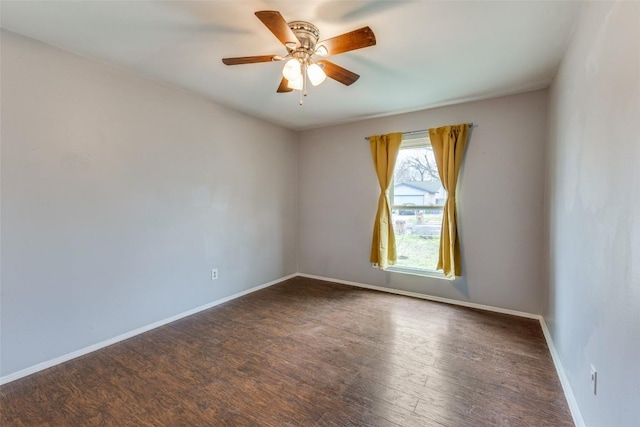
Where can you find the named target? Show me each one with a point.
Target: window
(417, 202)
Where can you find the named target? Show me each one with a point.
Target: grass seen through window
(417, 248)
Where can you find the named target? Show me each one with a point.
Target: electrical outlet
(594, 380)
(214, 274)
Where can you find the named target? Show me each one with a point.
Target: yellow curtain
(449, 143)
(384, 149)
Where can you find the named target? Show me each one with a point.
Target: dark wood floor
(307, 353)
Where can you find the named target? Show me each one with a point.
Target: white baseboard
(427, 297)
(81, 352)
(564, 380)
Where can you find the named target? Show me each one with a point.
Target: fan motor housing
(306, 33)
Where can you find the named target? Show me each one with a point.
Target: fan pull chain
(304, 81)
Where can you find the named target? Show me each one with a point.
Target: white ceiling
(428, 53)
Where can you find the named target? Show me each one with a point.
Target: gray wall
(594, 212)
(118, 197)
(500, 202)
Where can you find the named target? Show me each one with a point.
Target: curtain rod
(414, 132)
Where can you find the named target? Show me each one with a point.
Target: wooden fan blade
(284, 86)
(353, 40)
(338, 73)
(278, 26)
(248, 59)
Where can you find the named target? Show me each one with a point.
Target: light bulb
(316, 74)
(295, 84)
(291, 70)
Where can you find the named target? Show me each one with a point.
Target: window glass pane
(418, 239)
(418, 198)
(416, 180)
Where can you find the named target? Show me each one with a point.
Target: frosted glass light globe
(291, 70)
(295, 84)
(316, 74)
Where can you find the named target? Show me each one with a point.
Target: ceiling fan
(301, 40)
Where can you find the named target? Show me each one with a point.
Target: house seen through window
(417, 203)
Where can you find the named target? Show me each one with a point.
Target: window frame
(416, 140)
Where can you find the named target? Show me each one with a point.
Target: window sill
(418, 272)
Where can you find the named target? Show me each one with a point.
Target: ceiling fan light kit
(300, 38)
